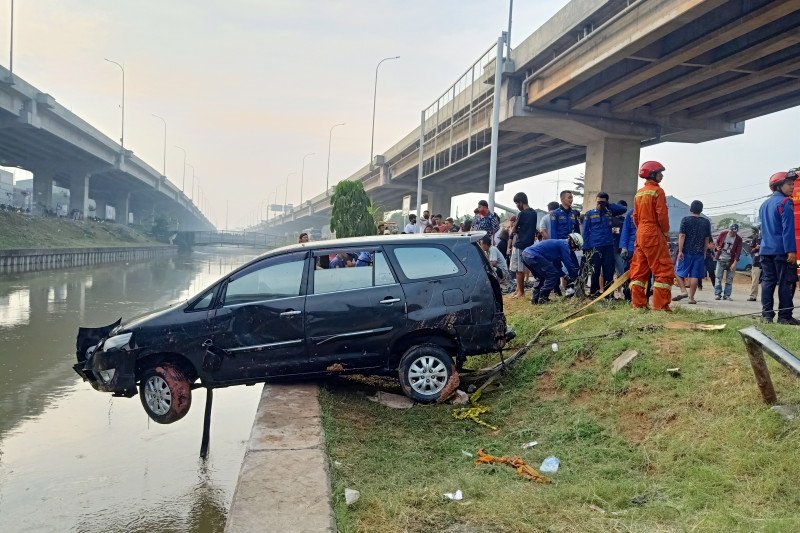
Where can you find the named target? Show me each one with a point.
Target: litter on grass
(351, 496)
(466, 453)
(473, 413)
(455, 496)
(554, 346)
(550, 465)
(674, 372)
(678, 324)
(530, 444)
(523, 469)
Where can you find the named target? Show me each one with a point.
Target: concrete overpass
(594, 84)
(40, 135)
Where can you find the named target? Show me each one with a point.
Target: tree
(350, 212)
(578, 191)
(726, 222)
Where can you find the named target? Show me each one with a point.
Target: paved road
(737, 305)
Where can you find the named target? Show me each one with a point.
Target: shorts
(516, 264)
(691, 266)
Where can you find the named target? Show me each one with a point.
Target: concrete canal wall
(28, 260)
(284, 484)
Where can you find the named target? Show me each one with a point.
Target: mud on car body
(417, 305)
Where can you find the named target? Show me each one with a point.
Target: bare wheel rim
(157, 395)
(427, 375)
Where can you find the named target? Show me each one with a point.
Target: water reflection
(15, 308)
(72, 458)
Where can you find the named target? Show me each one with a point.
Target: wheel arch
(423, 336)
(179, 360)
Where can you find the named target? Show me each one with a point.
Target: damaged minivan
(411, 305)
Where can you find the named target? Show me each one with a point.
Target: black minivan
(413, 304)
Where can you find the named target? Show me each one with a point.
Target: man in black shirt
(523, 234)
(693, 241)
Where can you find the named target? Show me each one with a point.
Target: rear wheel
(166, 393)
(425, 371)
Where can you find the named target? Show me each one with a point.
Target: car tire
(166, 393)
(425, 371)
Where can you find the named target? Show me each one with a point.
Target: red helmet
(649, 169)
(779, 177)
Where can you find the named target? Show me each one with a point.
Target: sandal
(679, 297)
(692, 302)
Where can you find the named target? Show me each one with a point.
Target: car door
(353, 313)
(259, 320)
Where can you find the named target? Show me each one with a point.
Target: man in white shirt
(544, 224)
(411, 227)
(496, 259)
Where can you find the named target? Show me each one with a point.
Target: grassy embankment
(639, 451)
(25, 231)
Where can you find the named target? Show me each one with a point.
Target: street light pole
(302, 176)
(328, 172)
(11, 45)
(164, 167)
(183, 180)
(286, 190)
(122, 135)
(191, 196)
(374, 98)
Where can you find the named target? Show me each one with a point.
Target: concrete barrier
(28, 260)
(284, 484)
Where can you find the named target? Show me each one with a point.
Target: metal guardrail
(237, 238)
(758, 343)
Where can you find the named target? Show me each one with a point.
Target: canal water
(74, 459)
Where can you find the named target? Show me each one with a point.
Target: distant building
(677, 210)
(6, 187)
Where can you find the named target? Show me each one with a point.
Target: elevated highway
(596, 83)
(40, 135)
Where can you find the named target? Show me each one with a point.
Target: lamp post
(302, 175)
(328, 172)
(191, 196)
(374, 98)
(122, 135)
(11, 45)
(183, 180)
(164, 167)
(286, 190)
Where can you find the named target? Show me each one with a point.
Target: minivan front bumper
(111, 371)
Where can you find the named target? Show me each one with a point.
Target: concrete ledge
(284, 484)
(27, 260)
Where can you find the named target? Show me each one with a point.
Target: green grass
(25, 231)
(657, 453)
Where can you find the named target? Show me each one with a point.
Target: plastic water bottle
(550, 465)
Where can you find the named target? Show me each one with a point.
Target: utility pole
(498, 81)
(374, 99)
(328, 172)
(122, 135)
(11, 45)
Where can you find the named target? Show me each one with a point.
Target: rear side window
(418, 262)
(348, 271)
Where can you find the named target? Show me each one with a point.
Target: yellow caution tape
(473, 413)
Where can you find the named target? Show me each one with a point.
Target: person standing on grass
(496, 260)
(728, 247)
(755, 270)
(693, 241)
(523, 235)
(778, 249)
(598, 237)
(544, 224)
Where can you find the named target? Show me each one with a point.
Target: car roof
(376, 240)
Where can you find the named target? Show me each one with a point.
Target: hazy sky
(248, 87)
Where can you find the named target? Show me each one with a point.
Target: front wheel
(424, 372)
(166, 393)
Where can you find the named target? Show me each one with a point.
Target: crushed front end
(107, 359)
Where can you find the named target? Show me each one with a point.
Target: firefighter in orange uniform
(651, 253)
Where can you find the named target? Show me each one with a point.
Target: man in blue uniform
(564, 220)
(778, 249)
(598, 238)
(544, 260)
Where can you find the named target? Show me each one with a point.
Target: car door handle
(290, 312)
(390, 300)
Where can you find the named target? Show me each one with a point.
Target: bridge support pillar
(439, 203)
(100, 208)
(612, 165)
(122, 207)
(79, 195)
(42, 192)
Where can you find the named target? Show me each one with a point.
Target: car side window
(348, 271)
(419, 262)
(204, 302)
(383, 274)
(282, 280)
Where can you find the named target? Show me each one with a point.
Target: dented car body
(413, 304)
